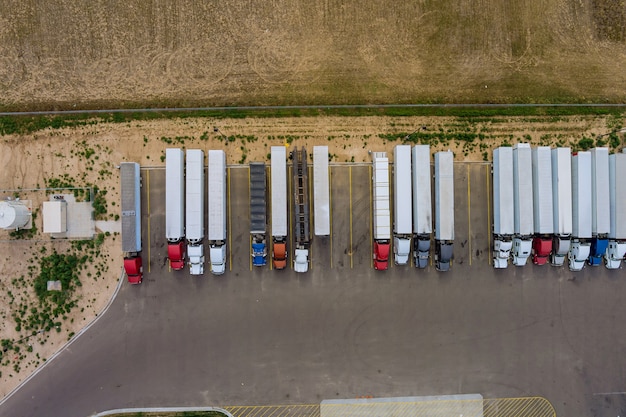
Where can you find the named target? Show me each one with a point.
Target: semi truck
(422, 205)
(523, 203)
(600, 205)
(617, 191)
(321, 191)
(581, 211)
(444, 210)
(301, 211)
(561, 204)
(175, 207)
(503, 212)
(382, 214)
(279, 206)
(543, 216)
(403, 204)
(258, 217)
(130, 179)
(217, 211)
(194, 210)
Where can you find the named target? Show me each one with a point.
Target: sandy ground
(30, 160)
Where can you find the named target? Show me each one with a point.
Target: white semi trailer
(403, 202)
(562, 204)
(444, 210)
(503, 213)
(617, 191)
(279, 206)
(543, 216)
(175, 207)
(217, 211)
(600, 205)
(422, 205)
(581, 211)
(194, 210)
(523, 203)
(321, 191)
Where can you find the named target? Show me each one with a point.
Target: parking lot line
(371, 220)
(290, 209)
(350, 176)
(270, 241)
(250, 236)
(391, 218)
(330, 211)
(230, 228)
(148, 198)
(311, 233)
(469, 222)
(488, 214)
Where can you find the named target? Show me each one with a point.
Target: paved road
(343, 330)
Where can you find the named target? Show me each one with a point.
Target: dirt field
(67, 54)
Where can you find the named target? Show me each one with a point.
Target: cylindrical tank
(13, 215)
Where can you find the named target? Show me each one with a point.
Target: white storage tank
(13, 215)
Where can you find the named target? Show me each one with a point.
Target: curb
(160, 410)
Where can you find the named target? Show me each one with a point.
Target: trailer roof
(617, 173)
(403, 202)
(444, 196)
(600, 193)
(542, 190)
(503, 211)
(581, 190)
(562, 191)
(131, 206)
(321, 192)
(258, 217)
(174, 193)
(217, 194)
(194, 203)
(523, 189)
(279, 190)
(422, 190)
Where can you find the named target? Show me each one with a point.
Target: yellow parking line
(391, 219)
(371, 220)
(351, 254)
(230, 226)
(488, 214)
(290, 208)
(330, 210)
(250, 236)
(469, 223)
(148, 198)
(270, 241)
(310, 192)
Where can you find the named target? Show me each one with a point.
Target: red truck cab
(176, 253)
(134, 269)
(542, 247)
(381, 256)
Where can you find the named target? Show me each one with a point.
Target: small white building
(54, 216)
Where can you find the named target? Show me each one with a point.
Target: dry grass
(63, 53)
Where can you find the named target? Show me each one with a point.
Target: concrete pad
(465, 405)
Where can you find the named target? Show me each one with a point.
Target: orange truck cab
(279, 256)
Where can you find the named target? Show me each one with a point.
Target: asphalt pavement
(260, 336)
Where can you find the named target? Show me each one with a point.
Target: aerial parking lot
(257, 336)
